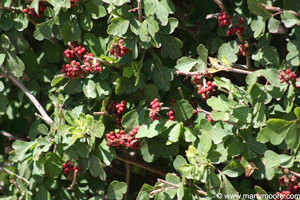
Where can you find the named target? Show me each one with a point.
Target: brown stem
(235, 70)
(100, 113)
(279, 9)
(73, 181)
(166, 182)
(200, 110)
(127, 180)
(181, 93)
(6, 134)
(17, 186)
(295, 173)
(11, 173)
(200, 191)
(44, 116)
(100, 61)
(10, 8)
(142, 165)
(140, 11)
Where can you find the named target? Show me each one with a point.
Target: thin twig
(168, 183)
(240, 71)
(100, 113)
(200, 191)
(17, 186)
(140, 11)
(200, 110)
(142, 165)
(45, 116)
(71, 46)
(295, 173)
(277, 9)
(181, 93)
(100, 61)
(73, 181)
(11, 173)
(127, 180)
(6, 134)
(10, 8)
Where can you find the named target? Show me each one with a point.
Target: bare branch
(142, 165)
(6, 134)
(127, 180)
(140, 11)
(181, 93)
(100, 61)
(11, 173)
(280, 10)
(44, 116)
(73, 181)
(240, 71)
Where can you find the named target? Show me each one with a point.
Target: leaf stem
(44, 116)
(127, 180)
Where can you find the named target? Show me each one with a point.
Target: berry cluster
(117, 139)
(237, 28)
(288, 76)
(224, 19)
(76, 68)
(117, 109)
(154, 111)
(31, 11)
(73, 69)
(204, 88)
(292, 183)
(69, 168)
(171, 113)
(74, 2)
(118, 50)
(90, 64)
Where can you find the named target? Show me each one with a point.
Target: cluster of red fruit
(154, 111)
(71, 53)
(288, 76)
(171, 113)
(117, 139)
(90, 64)
(74, 2)
(224, 19)
(237, 28)
(204, 88)
(293, 185)
(118, 108)
(118, 50)
(31, 11)
(76, 68)
(70, 169)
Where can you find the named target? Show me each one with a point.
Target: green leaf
(152, 26)
(178, 162)
(222, 103)
(202, 52)
(94, 10)
(44, 30)
(133, 118)
(125, 85)
(289, 99)
(56, 80)
(95, 167)
(186, 64)
(175, 133)
(183, 110)
(274, 26)
(170, 27)
(271, 159)
(118, 26)
(53, 165)
(229, 50)
(144, 192)
(293, 57)
(86, 22)
(98, 129)
(289, 19)
(89, 89)
(228, 189)
(151, 92)
(71, 31)
(143, 32)
(43, 193)
(297, 112)
(128, 72)
(14, 64)
(171, 47)
(116, 190)
(105, 153)
(43, 129)
(2, 55)
(234, 169)
(293, 138)
(151, 130)
(82, 149)
(103, 89)
(162, 77)
(96, 45)
(258, 26)
(255, 7)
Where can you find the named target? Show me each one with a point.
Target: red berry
(64, 165)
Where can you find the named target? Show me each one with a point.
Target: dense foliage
(152, 99)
